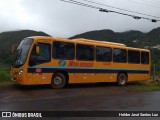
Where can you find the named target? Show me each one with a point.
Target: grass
(145, 86)
(151, 86)
(4, 74)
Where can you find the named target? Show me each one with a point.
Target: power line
(143, 3)
(106, 10)
(98, 3)
(151, 1)
(80, 3)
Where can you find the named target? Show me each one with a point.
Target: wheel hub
(122, 80)
(57, 80)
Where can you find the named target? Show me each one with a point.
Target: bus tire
(58, 81)
(122, 79)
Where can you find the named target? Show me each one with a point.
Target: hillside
(130, 38)
(7, 39)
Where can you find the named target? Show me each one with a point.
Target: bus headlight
(20, 72)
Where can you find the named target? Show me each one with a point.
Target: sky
(61, 19)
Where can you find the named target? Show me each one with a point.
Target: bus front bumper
(16, 79)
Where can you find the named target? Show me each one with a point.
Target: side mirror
(37, 50)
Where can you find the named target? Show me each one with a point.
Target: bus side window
(63, 50)
(84, 52)
(119, 55)
(145, 57)
(44, 54)
(133, 56)
(103, 54)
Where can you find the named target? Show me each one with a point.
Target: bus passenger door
(37, 62)
(33, 77)
(37, 76)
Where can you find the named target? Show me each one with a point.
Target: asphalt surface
(78, 97)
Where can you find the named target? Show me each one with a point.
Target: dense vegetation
(130, 38)
(7, 39)
(4, 73)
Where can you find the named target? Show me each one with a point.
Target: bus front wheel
(58, 81)
(122, 79)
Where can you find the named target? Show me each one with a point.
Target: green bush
(4, 76)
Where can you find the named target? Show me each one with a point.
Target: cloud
(65, 20)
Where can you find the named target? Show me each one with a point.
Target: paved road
(91, 97)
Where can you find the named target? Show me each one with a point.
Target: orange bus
(58, 61)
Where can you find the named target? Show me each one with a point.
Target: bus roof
(102, 42)
(40, 37)
(82, 40)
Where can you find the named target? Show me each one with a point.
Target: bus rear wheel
(58, 81)
(122, 79)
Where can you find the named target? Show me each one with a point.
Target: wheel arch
(124, 72)
(63, 72)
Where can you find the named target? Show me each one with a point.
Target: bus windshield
(22, 52)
